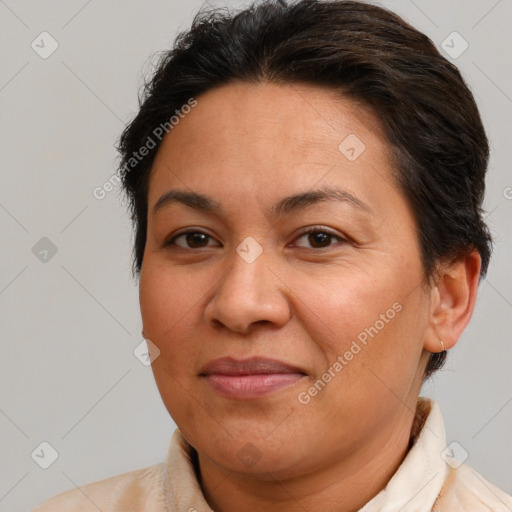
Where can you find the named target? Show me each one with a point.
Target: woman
(306, 185)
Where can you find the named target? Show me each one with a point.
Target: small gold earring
(442, 344)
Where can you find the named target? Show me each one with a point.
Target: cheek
(343, 307)
(166, 304)
(167, 301)
(372, 320)
(166, 295)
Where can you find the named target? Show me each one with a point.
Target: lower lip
(251, 386)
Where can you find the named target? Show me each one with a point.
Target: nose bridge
(248, 291)
(247, 272)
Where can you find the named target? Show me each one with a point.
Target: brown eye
(193, 240)
(319, 238)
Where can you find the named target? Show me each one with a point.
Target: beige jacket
(427, 480)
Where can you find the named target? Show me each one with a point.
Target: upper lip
(251, 366)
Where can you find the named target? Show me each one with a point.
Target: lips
(252, 366)
(250, 378)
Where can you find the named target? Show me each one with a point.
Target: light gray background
(70, 325)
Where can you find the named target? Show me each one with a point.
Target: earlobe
(453, 300)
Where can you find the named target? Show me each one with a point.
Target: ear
(453, 299)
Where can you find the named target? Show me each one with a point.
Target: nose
(249, 293)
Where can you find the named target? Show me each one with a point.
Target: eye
(319, 238)
(193, 240)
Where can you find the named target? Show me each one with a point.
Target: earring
(442, 345)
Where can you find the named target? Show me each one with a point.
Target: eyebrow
(284, 206)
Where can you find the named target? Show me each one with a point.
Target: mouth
(250, 378)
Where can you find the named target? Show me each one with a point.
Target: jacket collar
(417, 483)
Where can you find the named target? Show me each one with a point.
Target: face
(339, 311)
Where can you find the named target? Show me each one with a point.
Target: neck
(345, 486)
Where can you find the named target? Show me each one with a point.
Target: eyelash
(312, 229)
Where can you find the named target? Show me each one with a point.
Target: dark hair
(367, 54)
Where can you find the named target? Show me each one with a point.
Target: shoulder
(465, 489)
(128, 492)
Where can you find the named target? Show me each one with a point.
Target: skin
(301, 301)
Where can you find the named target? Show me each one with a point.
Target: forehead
(301, 113)
(261, 138)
